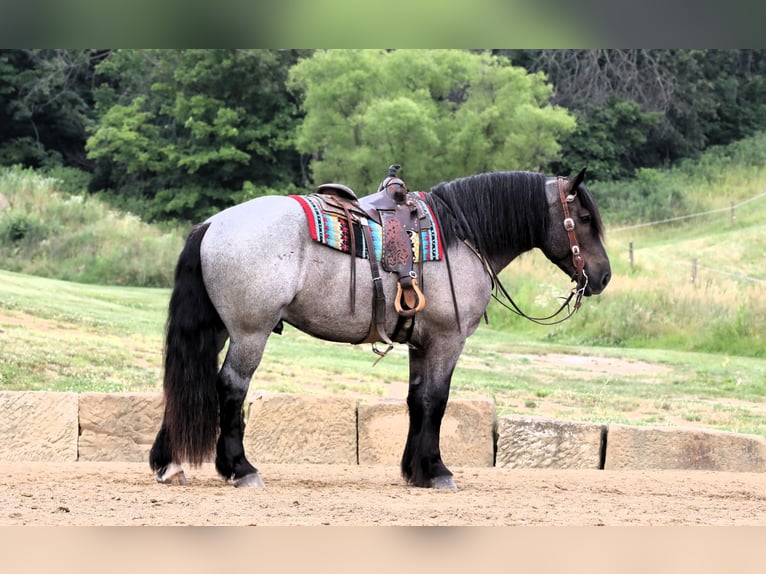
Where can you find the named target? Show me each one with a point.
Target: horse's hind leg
(161, 460)
(430, 374)
(167, 468)
(241, 361)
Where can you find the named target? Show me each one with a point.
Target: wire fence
(732, 208)
(695, 266)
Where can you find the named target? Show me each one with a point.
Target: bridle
(578, 261)
(569, 225)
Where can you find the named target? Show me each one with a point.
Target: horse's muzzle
(597, 284)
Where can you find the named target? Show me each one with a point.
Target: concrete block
(38, 426)
(287, 428)
(467, 432)
(537, 442)
(637, 448)
(118, 426)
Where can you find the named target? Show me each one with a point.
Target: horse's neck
(500, 261)
(495, 261)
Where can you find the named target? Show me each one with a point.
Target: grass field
(63, 336)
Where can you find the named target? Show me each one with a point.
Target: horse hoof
(173, 474)
(252, 480)
(443, 483)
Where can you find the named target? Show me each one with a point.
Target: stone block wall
(281, 428)
(38, 426)
(301, 429)
(534, 442)
(638, 448)
(118, 426)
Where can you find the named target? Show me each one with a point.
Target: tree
(441, 114)
(682, 100)
(188, 132)
(46, 106)
(610, 140)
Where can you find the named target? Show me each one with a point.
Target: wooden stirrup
(420, 300)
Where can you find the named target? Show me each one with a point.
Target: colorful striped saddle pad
(332, 230)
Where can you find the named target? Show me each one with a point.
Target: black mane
(493, 211)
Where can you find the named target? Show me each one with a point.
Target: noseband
(579, 276)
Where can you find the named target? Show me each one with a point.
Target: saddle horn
(393, 185)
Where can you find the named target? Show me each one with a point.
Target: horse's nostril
(605, 279)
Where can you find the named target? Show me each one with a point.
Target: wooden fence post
(630, 254)
(693, 278)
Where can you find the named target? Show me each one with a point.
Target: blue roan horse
(253, 266)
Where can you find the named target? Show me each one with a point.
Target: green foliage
(45, 106)
(441, 114)
(218, 122)
(725, 93)
(651, 195)
(182, 131)
(44, 231)
(713, 166)
(688, 101)
(658, 194)
(608, 141)
(69, 180)
(21, 228)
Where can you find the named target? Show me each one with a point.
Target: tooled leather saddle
(401, 218)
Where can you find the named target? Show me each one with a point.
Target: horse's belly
(322, 305)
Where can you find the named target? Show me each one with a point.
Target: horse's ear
(577, 180)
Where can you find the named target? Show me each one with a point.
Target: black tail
(191, 359)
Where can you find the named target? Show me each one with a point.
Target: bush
(652, 195)
(78, 238)
(657, 194)
(21, 228)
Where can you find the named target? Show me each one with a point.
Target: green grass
(65, 336)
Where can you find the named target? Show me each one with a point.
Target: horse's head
(574, 240)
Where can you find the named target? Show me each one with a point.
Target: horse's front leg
(233, 382)
(431, 370)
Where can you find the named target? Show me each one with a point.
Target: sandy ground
(88, 494)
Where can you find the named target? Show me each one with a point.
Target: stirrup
(421, 300)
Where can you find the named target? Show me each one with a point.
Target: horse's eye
(585, 219)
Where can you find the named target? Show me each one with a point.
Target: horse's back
(256, 221)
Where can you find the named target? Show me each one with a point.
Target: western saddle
(400, 218)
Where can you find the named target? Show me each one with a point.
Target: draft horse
(252, 266)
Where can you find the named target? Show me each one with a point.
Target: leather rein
(577, 259)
